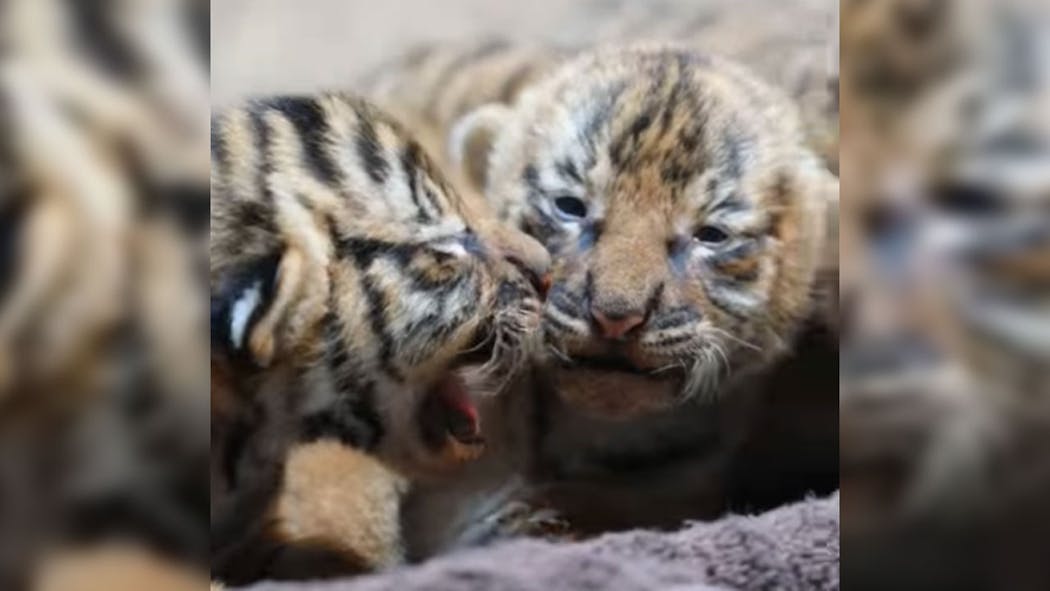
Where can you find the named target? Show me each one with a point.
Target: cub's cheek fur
(322, 476)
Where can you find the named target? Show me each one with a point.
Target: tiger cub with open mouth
(355, 296)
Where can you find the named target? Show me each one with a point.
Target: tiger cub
(356, 296)
(692, 233)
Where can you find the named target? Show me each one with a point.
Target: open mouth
(479, 352)
(448, 413)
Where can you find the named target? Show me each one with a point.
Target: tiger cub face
(683, 214)
(350, 282)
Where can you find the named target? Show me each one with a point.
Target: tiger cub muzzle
(518, 268)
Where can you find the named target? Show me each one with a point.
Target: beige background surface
(263, 46)
(297, 45)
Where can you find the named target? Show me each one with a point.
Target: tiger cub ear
(248, 303)
(471, 140)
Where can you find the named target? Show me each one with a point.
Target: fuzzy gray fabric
(792, 547)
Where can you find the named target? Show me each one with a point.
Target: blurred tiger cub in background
(945, 249)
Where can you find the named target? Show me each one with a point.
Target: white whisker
(726, 334)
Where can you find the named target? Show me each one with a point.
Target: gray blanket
(792, 547)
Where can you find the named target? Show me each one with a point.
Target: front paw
(516, 519)
(522, 519)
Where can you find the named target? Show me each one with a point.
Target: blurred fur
(944, 238)
(102, 332)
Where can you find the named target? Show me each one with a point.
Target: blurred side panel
(103, 244)
(945, 245)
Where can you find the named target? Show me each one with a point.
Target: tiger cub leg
(343, 500)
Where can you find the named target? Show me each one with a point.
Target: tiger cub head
(684, 216)
(348, 272)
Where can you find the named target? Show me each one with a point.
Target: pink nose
(615, 327)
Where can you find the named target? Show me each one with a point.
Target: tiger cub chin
(355, 297)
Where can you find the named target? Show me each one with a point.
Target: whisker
(559, 353)
(512, 345)
(669, 367)
(727, 335)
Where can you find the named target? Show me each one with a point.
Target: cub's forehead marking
(672, 114)
(671, 126)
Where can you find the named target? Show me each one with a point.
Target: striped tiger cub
(356, 297)
(691, 225)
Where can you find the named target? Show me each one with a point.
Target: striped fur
(690, 225)
(674, 189)
(700, 211)
(649, 115)
(350, 281)
(987, 183)
(434, 87)
(792, 44)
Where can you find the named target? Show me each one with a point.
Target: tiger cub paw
(522, 519)
(515, 519)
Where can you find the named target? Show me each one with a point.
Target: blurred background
(275, 45)
(945, 283)
(103, 342)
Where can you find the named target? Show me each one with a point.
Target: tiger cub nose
(616, 326)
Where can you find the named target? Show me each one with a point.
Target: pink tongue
(461, 414)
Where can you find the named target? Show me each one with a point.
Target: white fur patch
(242, 311)
(452, 248)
